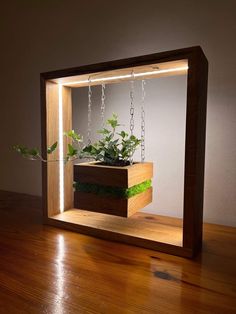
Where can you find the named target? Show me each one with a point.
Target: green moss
(111, 190)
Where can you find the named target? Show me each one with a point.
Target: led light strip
(127, 76)
(61, 152)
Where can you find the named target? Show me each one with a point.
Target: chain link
(132, 108)
(143, 121)
(89, 114)
(103, 97)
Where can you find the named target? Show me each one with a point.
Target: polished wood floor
(49, 270)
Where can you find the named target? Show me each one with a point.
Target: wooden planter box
(123, 177)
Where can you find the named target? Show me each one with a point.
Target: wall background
(38, 36)
(165, 116)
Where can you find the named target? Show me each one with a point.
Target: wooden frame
(56, 88)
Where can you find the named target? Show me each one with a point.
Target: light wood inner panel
(68, 167)
(82, 80)
(140, 225)
(53, 175)
(52, 98)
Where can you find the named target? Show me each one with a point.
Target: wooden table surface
(49, 270)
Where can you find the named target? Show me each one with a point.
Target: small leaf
(132, 137)
(52, 148)
(108, 138)
(123, 134)
(87, 149)
(26, 152)
(75, 136)
(104, 131)
(113, 122)
(71, 151)
(20, 149)
(33, 152)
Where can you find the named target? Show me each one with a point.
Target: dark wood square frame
(54, 85)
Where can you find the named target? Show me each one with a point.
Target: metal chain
(89, 114)
(132, 108)
(103, 97)
(131, 111)
(143, 121)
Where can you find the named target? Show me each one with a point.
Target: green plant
(73, 151)
(33, 153)
(114, 148)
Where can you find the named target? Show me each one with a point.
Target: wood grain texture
(195, 131)
(49, 270)
(139, 226)
(195, 150)
(160, 57)
(112, 205)
(68, 167)
(52, 131)
(50, 135)
(82, 80)
(125, 177)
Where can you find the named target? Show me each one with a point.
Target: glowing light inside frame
(127, 76)
(61, 152)
(112, 78)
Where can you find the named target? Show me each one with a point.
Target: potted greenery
(116, 185)
(112, 183)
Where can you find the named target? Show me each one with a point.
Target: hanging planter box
(119, 191)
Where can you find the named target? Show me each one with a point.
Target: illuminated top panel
(171, 68)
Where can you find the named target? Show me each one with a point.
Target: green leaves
(123, 134)
(104, 131)
(34, 152)
(72, 151)
(129, 145)
(113, 148)
(30, 153)
(113, 122)
(75, 136)
(52, 148)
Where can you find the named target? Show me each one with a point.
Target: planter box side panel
(110, 176)
(113, 176)
(140, 172)
(139, 201)
(110, 205)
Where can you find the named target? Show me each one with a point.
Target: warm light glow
(132, 75)
(59, 285)
(127, 76)
(61, 153)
